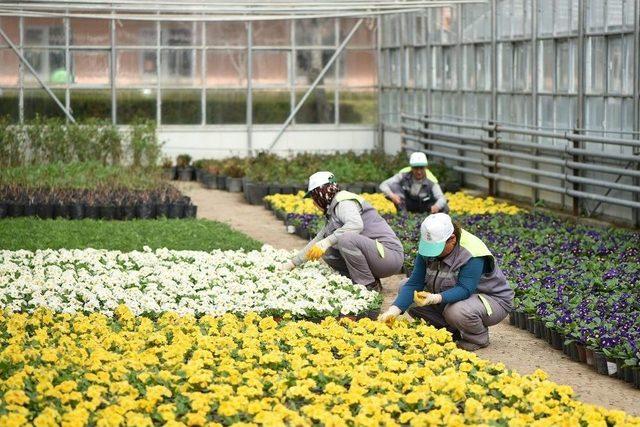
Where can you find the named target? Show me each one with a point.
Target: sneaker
(469, 346)
(376, 285)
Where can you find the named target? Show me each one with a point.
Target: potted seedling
(168, 170)
(234, 172)
(185, 171)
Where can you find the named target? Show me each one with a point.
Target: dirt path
(517, 349)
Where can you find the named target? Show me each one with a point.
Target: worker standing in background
(415, 188)
(466, 291)
(356, 241)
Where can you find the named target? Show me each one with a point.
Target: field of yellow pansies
(75, 369)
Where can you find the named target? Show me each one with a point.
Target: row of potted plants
(105, 203)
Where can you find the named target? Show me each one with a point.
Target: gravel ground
(517, 349)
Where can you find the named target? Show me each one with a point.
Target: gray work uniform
(417, 196)
(471, 317)
(363, 246)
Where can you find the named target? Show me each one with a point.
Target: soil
(516, 349)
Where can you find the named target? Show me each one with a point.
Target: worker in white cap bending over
(415, 188)
(357, 242)
(455, 284)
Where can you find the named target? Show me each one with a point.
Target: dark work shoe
(376, 285)
(469, 346)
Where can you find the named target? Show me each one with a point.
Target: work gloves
(390, 315)
(288, 266)
(425, 298)
(317, 250)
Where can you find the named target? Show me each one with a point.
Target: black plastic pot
(30, 209)
(144, 210)
(636, 377)
(61, 211)
(548, 335)
(91, 211)
(356, 187)
(4, 208)
(128, 212)
(512, 318)
(280, 214)
(288, 189)
(190, 211)
(256, 193)
(107, 212)
(118, 213)
(169, 173)
(76, 210)
(369, 187)
(538, 328)
(222, 182)
(199, 175)
(234, 185)
(176, 210)
(15, 209)
(556, 340)
(572, 352)
(275, 188)
(521, 320)
(162, 210)
(210, 181)
(627, 374)
(600, 363)
(530, 322)
(185, 174)
(45, 210)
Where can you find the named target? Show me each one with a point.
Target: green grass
(182, 234)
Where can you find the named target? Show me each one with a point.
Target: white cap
(319, 179)
(418, 159)
(434, 233)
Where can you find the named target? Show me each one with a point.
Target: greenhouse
(319, 212)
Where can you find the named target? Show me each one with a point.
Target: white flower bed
(186, 282)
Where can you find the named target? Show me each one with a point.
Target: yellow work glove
(390, 316)
(425, 298)
(315, 253)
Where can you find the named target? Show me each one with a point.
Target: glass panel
(271, 33)
(450, 56)
(420, 32)
(10, 25)
(90, 67)
(436, 67)
(505, 66)
(565, 112)
(358, 68)
(309, 64)
(422, 74)
(595, 15)
(226, 34)
(545, 17)
(180, 67)
(613, 114)
(94, 103)
(43, 32)
(504, 14)
(596, 62)
(226, 106)
(627, 64)
(364, 36)
(49, 64)
(449, 25)
(386, 67)
(562, 19)
(628, 14)
(627, 115)
(271, 106)
(522, 67)
(270, 68)
(315, 32)
(8, 68)
(575, 21)
(136, 67)
(615, 65)
(181, 107)
(395, 67)
(545, 112)
(318, 108)
(565, 66)
(468, 67)
(180, 33)
(483, 63)
(520, 22)
(136, 104)
(9, 104)
(614, 14)
(358, 106)
(504, 109)
(226, 68)
(409, 67)
(90, 32)
(595, 113)
(136, 33)
(546, 63)
(38, 102)
(436, 104)
(435, 24)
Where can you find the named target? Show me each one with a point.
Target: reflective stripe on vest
(347, 195)
(431, 177)
(476, 247)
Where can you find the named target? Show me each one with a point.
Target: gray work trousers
(357, 257)
(468, 317)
